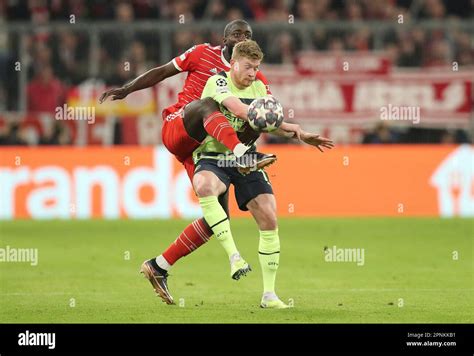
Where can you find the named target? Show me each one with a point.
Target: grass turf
(409, 274)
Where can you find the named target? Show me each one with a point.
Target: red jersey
(201, 62)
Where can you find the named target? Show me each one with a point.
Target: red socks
(217, 125)
(196, 234)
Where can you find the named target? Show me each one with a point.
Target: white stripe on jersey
(206, 74)
(192, 99)
(212, 64)
(218, 61)
(198, 84)
(196, 77)
(214, 53)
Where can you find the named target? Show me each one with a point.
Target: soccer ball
(265, 114)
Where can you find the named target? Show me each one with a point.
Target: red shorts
(176, 139)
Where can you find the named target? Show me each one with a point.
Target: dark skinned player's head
(236, 31)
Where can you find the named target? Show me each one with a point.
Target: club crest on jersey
(213, 70)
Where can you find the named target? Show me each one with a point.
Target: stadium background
(333, 64)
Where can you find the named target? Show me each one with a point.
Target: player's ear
(234, 64)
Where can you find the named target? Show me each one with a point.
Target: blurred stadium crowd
(57, 60)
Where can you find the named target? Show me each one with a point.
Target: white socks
(240, 149)
(162, 263)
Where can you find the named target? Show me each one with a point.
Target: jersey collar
(223, 58)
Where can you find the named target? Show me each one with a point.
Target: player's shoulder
(259, 82)
(198, 48)
(220, 79)
(209, 47)
(259, 87)
(206, 47)
(262, 79)
(260, 76)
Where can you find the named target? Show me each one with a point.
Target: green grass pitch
(410, 273)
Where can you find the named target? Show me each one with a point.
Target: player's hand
(316, 141)
(116, 93)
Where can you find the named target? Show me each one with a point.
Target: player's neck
(227, 54)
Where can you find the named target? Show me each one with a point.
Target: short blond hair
(247, 49)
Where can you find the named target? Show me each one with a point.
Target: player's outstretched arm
(295, 131)
(316, 140)
(145, 80)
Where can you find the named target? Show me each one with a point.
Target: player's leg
(175, 138)
(263, 209)
(254, 193)
(191, 238)
(156, 269)
(183, 131)
(203, 117)
(209, 182)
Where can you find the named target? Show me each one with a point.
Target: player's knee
(204, 190)
(269, 221)
(205, 186)
(263, 208)
(268, 217)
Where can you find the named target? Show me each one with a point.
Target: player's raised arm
(184, 63)
(145, 80)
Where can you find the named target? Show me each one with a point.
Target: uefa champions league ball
(265, 114)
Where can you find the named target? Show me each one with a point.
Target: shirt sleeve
(188, 60)
(217, 88)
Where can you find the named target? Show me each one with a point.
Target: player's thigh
(209, 179)
(176, 139)
(263, 209)
(249, 186)
(194, 115)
